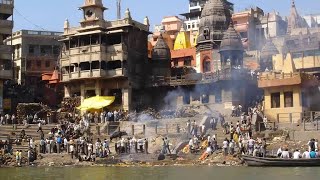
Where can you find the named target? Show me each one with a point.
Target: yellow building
(288, 93)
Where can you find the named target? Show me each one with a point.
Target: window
(187, 61)
(47, 64)
(31, 49)
(38, 63)
(275, 100)
(288, 99)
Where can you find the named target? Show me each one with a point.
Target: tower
(215, 19)
(93, 13)
(161, 58)
(231, 49)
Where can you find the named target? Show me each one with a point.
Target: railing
(198, 78)
(273, 75)
(94, 73)
(6, 23)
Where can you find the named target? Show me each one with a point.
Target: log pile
(70, 104)
(24, 109)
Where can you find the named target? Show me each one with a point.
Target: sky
(50, 14)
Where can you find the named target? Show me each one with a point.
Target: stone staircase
(31, 130)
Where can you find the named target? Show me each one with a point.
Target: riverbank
(131, 160)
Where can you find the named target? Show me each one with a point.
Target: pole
(12, 47)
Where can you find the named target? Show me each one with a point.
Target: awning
(97, 102)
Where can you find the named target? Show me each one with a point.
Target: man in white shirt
(306, 155)
(285, 154)
(251, 143)
(296, 154)
(225, 146)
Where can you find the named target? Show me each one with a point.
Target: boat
(278, 162)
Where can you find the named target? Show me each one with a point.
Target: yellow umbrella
(97, 102)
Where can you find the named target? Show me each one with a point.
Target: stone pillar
(82, 92)
(180, 101)
(98, 88)
(126, 99)
(67, 92)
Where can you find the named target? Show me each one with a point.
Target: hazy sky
(50, 14)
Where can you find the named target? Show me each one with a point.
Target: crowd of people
(131, 145)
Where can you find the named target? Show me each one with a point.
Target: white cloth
(209, 150)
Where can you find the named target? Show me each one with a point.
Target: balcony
(5, 52)
(95, 73)
(5, 74)
(6, 7)
(93, 53)
(6, 27)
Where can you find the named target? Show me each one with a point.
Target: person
(306, 154)
(231, 147)
(29, 156)
(42, 146)
(251, 144)
(225, 145)
(313, 154)
(39, 127)
(264, 147)
(297, 154)
(165, 146)
(279, 152)
(265, 121)
(191, 144)
(188, 126)
(316, 145)
(285, 154)
(17, 158)
(146, 146)
(255, 152)
(71, 147)
(20, 157)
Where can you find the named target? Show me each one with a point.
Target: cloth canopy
(97, 102)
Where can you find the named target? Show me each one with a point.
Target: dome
(215, 18)
(231, 40)
(269, 49)
(161, 50)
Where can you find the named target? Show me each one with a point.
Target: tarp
(97, 102)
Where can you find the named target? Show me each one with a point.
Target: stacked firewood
(25, 109)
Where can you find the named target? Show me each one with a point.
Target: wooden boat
(278, 162)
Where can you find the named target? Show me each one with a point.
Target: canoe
(277, 162)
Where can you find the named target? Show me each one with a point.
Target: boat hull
(277, 162)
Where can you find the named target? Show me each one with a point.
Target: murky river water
(160, 173)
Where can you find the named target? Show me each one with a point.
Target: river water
(159, 173)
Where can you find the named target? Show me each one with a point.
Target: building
(245, 23)
(102, 57)
(295, 21)
(36, 52)
(289, 93)
(170, 27)
(6, 26)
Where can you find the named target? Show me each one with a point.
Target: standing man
(264, 147)
(146, 146)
